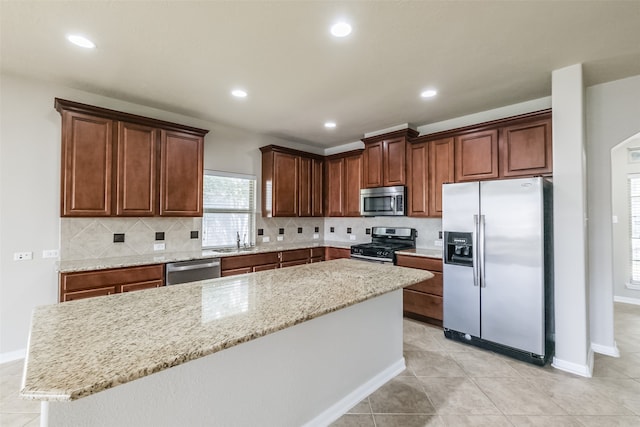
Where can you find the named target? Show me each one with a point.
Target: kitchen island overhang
(317, 339)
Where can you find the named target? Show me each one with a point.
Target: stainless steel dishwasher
(191, 271)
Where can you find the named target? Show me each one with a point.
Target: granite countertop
(423, 252)
(76, 349)
(72, 266)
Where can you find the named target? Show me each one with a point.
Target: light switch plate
(280, 238)
(50, 253)
(352, 237)
(438, 243)
(316, 236)
(158, 246)
(265, 239)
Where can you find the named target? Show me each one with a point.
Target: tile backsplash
(90, 238)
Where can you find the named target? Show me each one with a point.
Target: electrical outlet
(280, 238)
(22, 256)
(316, 236)
(50, 253)
(352, 237)
(265, 239)
(158, 246)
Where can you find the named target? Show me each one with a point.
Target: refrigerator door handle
(483, 283)
(474, 250)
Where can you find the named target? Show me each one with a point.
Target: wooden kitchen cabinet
(291, 182)
(295, 257)
(136, 163)
(343, 174)
(336, 253)
(240, 264)
(384, 160)
(525, 149)
(476, 155)
(423, 300)
(441, 170)
(87, 284)
(429, 165)
(120, 164)
(87, 158)
(181, 173)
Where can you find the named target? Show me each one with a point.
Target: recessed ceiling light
(239, 93)
(341, 29)
(330, 125)
(81, 41)
(429, 93)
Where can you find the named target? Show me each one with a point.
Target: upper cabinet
(384, 159)
(343, 178)
(291, 183)
(476, 155)
(525, 149)
(119, 164)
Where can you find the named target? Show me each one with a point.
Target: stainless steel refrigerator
(498, 271)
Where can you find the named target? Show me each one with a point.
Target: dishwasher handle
(172, 268)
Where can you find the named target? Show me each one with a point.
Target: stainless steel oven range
(384, 242)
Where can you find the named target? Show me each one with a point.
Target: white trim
(10, 356)
(576, 368)
(387, 130)
(607, 350)
(337, 410)
(627, 300)
(633, 286)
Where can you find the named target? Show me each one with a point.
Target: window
(229, 209)
(634, 226)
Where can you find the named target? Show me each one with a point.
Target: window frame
(634, 280)
(251, 211)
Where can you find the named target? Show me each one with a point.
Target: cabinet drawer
(295, 255)
(241, 261)
(431, 264)
(70, 282)
(141, 285)
(422, 304)
(71, 296)
(430, 286)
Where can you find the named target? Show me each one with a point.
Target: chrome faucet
(238, 239)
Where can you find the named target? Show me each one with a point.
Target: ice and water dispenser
(458, 248)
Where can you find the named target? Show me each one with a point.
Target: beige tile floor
(452, 384)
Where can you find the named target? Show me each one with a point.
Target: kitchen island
(294, 346)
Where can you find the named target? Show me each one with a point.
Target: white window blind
(229, 209)
(634, 226)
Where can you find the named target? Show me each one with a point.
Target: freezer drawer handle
(193, 267)
(474, 251)
(483, 283)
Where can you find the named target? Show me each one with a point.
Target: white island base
(305, 375)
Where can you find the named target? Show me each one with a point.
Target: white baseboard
(575, 368)
(627, 300)
(607, 350)
(10, 356)
(340, 408)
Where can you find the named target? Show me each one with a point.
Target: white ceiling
(186, 56)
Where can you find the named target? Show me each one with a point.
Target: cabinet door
(317, 205)
(136, 185)
(181, 161)
(526, 149)
(372, 162)
(336, 253)
(476, 156)
(285, 184)
(441, 168)
(418, 184)
(305, 186)
(335, 187)
(87, 158)
(353, 180)
(393, 161)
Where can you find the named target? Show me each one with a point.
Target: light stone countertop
(423, 252)
(82, 347)
(72, 266)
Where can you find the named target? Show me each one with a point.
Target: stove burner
(384, 243)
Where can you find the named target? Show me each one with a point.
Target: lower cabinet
(423, 300)
(86, 284)
(241, 264)
(336, 253)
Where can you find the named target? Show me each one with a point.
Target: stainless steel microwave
(383, 201)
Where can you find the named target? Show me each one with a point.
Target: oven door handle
(371, 258)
